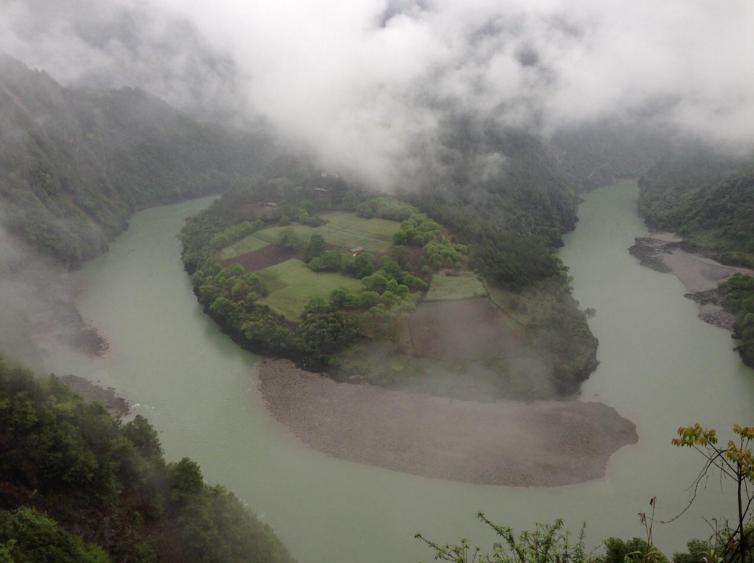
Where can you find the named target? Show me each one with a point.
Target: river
(659, 366)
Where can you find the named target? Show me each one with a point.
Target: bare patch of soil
(115, 405)
(541, 443)
(466, 329)
(260, 259)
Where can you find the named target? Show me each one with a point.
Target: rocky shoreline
(700, 275)
(117, 406)
(540, 443)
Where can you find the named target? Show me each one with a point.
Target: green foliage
(385, 208)
(707, 199)
(29, 536)
(324, 334)
(735, 462)
(545, 544)
(625, 551)
(441, 253)
(360, 266)
(463, 285)
(289, 238)
(316, 246)
(418, 230)
(330, 261)
(504, 233)
(293, 284)
(234, 233)
(700, 551)
(556, 328)
(514, 261)
(80, 162)
(738, 298)
(109, 483)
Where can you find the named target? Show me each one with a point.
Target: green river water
(660, 367)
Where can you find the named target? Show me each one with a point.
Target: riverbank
(116, 405)
(542, 443)
(700, 275)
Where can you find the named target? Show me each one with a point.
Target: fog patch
(38, 311)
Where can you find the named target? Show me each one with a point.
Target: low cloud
(368, 84)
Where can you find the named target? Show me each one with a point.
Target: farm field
(251, 243)
(265, 257)
(345, 230)
(450, 288)
(292, 284)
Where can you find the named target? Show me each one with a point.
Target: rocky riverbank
(115, 405)
(541, 443)
(700, 275)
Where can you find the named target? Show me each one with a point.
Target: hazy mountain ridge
(75, 164)
(706, 198)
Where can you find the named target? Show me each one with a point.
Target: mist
(36, 299)
(367, 85)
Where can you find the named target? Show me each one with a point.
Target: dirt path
(544, 443)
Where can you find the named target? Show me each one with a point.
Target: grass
(448, 288)
(293, 284)
(250, 243)
(272, 234)
(344, 230)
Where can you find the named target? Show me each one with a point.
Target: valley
(201, 392)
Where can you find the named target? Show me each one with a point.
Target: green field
(246, 244)
(292, 284)
(345, 230)
(447, 288)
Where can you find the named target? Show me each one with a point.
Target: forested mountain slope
(708, 199)
(597, 154)
(68, 470)
(75, 164)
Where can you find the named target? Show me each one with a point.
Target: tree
(547, 543)
(735, 462)
(143, 437)
(360, 266)
(28, 535)
(316, 246)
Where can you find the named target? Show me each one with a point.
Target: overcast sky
(363, 80)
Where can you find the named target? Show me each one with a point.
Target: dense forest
(738, 297)
(503, 228)
(77, 485)
(597, 154)
(706, 198)
(75, 164)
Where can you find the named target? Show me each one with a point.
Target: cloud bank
(367, 84)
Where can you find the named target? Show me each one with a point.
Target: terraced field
(251, 243)
(345, 230)
(465, 285)
(292, 284)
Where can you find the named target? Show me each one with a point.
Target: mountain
(75, 164)
(706, 198)
(70, 473)
(597, 154)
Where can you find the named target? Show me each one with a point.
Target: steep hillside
(68, 471)
(597, 154)
(707, 199)
(75, 164)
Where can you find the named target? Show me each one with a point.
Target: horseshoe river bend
(659, 366)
